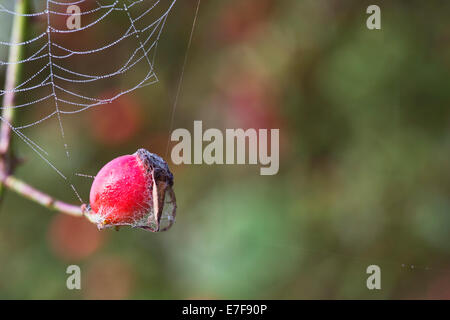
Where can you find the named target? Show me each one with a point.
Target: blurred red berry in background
(115, 123)
(59, 22)
(73, 238)
(241, 19)
(249, 100)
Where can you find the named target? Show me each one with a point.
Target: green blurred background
(364, 161)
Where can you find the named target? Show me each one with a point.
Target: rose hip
(133, 190)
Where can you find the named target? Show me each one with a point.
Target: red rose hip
(134, 190)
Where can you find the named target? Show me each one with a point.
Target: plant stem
(12, 78)
(13, 73)
(43, 199)
(6, 157)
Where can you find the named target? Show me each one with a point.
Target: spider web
(62, 80)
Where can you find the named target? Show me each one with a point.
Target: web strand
(60, 80)
(180, 82)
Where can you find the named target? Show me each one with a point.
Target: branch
(6, 157)
(12, 79)
(43, 199)
(13, 73)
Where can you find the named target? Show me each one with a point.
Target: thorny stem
(6, 158)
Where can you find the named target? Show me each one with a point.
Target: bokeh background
(364, 161)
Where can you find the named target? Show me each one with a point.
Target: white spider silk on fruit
(158, 214)
(147, 222)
